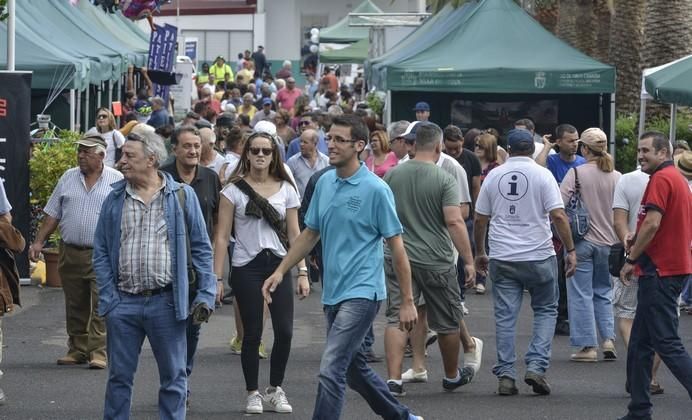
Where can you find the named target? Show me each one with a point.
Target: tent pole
(388, 109)
(110, 95)
(673, 121)
(612, 125)
(72, 109)
(86, 108)
(11, 35)
(642, 117)
(601, 99)
(99, 88)
(79, 112)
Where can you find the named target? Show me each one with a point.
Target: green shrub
(626, 127)
(49, 160)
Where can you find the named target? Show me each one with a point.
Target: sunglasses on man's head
(266, 151)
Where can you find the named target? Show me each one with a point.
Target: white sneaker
(464, 309)
(413, 376)
(254, 403)
(473, 359)
(277, 401)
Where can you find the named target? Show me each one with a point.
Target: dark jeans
(343, 362)
(192, 332)
(461, 275)
(655, 329)
(247, 284)
(562, 286)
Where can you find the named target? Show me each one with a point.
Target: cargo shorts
(438, 290)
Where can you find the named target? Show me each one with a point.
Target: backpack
(577, 213)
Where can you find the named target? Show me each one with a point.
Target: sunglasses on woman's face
(266, 151)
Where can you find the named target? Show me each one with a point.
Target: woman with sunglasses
(260, 202)
(105, 125)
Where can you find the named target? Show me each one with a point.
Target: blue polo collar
(356, 177)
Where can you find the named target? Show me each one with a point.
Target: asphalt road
(37, 388)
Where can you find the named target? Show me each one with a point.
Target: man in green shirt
(427, 203)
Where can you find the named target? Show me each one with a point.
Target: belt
(153, 292)
(79, 247)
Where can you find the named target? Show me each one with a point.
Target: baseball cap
(519, 138)
(595, 139)
(92, 140)
(266, 127)
(266, 101)
(410, 134)
(421, 106)
(225, 120)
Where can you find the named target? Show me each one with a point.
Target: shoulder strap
(181, 199)
(577, 186)
(268, 212)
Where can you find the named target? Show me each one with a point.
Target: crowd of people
(292, 188)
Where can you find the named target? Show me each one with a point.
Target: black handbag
(576, 212)
(616, 259)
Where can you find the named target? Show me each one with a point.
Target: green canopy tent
(48, 65)
(355, 53)
(342, 33)
(670, 83)
(117, 29)
(494, 50)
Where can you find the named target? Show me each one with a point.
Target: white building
(228, 27)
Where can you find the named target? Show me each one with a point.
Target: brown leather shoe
(71, 360)
(97, 364)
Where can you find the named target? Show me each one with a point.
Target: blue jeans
(343, 361)
(133, 319)
(510, 278)
(590, 296)
(687, 292)
(655, 329)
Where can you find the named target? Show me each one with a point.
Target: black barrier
(15, 110)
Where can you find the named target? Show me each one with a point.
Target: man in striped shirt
(74, 207)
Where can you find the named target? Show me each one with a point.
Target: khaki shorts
(438, 290)
(625, 298)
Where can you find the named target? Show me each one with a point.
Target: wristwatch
(302, 269)
(630, 261)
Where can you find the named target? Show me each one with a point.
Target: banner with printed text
(162, 55)
(15, 117)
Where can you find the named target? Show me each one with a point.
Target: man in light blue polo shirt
(351, 211)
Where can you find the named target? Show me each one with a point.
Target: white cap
(229, 107)
(267, 127)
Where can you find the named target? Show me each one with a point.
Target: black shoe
(538, 383)
(465, 376)
(507, 386)
(562, 328)
(396, 389)
(371, 357)
(630, 417)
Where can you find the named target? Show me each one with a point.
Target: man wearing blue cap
(265, 114)
(422, 111)
(518, 199)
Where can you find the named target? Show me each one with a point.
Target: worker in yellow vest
(221, 71)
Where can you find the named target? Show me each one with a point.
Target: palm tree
(547, 13)
(567, 23)
(625, 52)
(668, 33)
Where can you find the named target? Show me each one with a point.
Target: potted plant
(51, 157)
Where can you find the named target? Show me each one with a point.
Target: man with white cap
(74, 207)
(518, 199)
